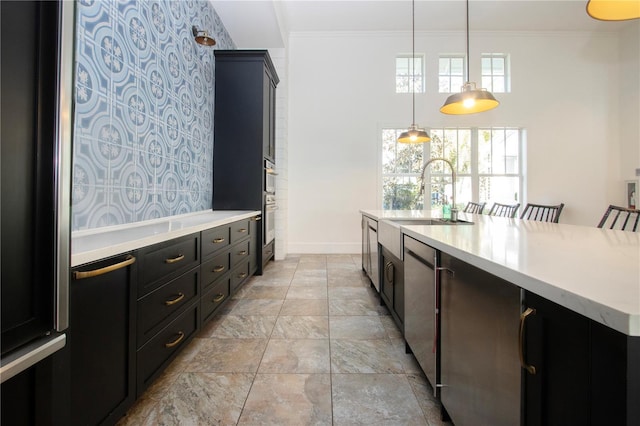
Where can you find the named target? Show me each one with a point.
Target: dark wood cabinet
(585, 373)
(101, 340)
(244, 132)
(392, 285)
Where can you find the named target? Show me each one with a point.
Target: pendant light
(414, 134)
(470, 99)
(614, 10)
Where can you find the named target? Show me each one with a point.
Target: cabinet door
(557, 346)
(480, 369)
(102, 341)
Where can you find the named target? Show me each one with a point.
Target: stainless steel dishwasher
(421, 322)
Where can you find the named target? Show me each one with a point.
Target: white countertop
(594, 272)
(92, 245)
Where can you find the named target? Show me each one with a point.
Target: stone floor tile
(367, 399)
(305, 307)
(261, 292)
(288, 399)
(301, 327)
(364, 356)
(252, 307)
(296, 356)
(356, 327)
(301, 292)
(244, 327)
(228, 356)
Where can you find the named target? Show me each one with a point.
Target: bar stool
(504, 210)
(542, 213)
(620, 218)
(474, 207)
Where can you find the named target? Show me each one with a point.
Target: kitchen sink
(390, 236)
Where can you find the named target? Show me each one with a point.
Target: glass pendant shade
(469, 101)
(414, 135)
(614, 10)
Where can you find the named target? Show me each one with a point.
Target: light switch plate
(637, 172)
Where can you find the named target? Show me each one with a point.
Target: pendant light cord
(413, 59)
(468, 58)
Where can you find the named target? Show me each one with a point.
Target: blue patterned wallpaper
(143, 136)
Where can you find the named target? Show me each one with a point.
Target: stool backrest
(504, 210)
(542, 213)
(620, 218)
(474, 207)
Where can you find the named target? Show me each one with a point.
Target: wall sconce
(202, 37)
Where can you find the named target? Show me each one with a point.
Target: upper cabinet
(244, 127)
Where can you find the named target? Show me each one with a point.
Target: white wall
(565, 92)
(629, 103)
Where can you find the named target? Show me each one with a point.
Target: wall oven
(269, 218)
(269, 177)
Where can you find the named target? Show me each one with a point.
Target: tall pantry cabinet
(244, 137)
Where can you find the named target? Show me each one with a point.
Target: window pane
(409, 158)
(497, 152)
(456, 84)
(486, 83)
(444, 66)
(484, 151)
(464, 151)
(400, 193)
(498, 66)
(463, 191)
(402, 66)
(499, 189)
(498, 85)
(486, 66)
(457, 66)
(444, 85)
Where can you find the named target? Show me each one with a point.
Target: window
(404, 81)
(495, 72)
(451, 74)
(488, 164)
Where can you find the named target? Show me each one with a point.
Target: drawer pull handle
(242, 252)
(242, 275)
(218, 240)
(175, 342)
(94, 273)
(174, 301)
(255, 219)
(218, 269)
(175, 259)
(242, 230)
(523, 318)
(218, 298)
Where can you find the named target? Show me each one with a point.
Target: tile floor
(306, 343)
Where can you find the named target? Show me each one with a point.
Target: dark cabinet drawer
(214, 298)
(239, 230)
(164, 345)
(158, 305)
(161, 262)
(239, 253)
(215, 239)
(238, 275)
(214, 269)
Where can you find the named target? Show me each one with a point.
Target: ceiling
(266, 23)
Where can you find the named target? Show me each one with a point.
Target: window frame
(416, 76)
(474, 172)
(452, 89)
(492, 76)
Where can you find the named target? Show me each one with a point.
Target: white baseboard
(324, 248)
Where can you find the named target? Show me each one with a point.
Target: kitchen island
(577, 340)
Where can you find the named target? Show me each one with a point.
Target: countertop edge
(626, 323)
(108, 249)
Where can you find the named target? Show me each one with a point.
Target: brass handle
(175, 342)
(174, 301)
(218, 298)
(218, 240)
(242, 230)
(523, 317)
(218, 269)
(242, 275)
(129, 260)
(178, 258)
(242, 252)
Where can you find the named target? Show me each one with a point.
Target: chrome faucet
(453, 181)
